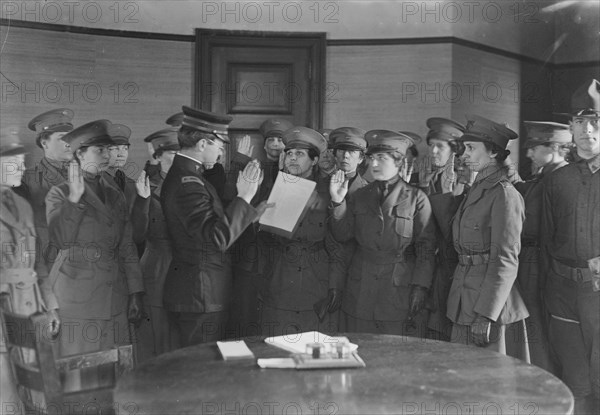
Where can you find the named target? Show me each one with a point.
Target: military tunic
(298, 271)
(198, 283)
(94, 237)
(529, 267)
(155, 336)
(395, 249)
(571, 236)
(486, 231)
(37, 182)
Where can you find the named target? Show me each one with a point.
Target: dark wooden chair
(73, 385)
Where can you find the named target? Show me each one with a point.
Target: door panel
(256, 76)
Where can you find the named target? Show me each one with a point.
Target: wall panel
(137, 82)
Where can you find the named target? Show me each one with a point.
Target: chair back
(47, 385)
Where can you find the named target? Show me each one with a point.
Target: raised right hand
(76, 186)
(248, 180)
(245, 146)
(338, 186)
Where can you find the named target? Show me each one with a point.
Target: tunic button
(97, 255)
(299, 269)
(28, 303)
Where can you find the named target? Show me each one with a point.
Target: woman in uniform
(157, 336)
(20, 290)
(88, 219)
(297, 269)
(391, 221)
(486, 231)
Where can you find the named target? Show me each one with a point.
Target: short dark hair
(44, 135)
(501, 153)
(454, 145)
(188, 137)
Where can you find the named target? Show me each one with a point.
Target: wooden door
(253, 76)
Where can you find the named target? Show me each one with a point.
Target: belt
(383, 257)
(530, 242)
(18, 276)
(474, 259)
(574, 274)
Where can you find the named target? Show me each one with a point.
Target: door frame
(315, 42)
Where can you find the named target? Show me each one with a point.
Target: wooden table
(403, 376)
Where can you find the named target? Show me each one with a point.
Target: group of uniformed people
(454, 246)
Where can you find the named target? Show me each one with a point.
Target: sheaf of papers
(290, 195)
(296, 343)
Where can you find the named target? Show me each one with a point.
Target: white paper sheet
(290, 195)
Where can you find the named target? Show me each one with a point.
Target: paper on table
(277, 363)
(291, 195)
(296, 343)
(235, 350)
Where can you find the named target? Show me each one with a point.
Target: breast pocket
(472, 233)
(403, 221)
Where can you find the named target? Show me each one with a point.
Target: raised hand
(281, 160)
(248, 180)
(338, 186)
(245, 147)
(142, 185)
(76, 186)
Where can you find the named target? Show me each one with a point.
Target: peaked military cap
(444, 129)
(539, 132)
(10, 143)
(304, 137)
(95, 133)
(274, 127)
(175, 120)
(207, 122)
(485, 130)
(586, 100)
(385, 141)
(165, 139)
(326, 133)
(53, 121)
(348, 138)
(416, 138)
(58, 120)
(120, 134)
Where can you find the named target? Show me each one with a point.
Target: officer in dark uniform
(546, 145)
(215, 175)
(50, 171)
(197, 289)
(571, 246)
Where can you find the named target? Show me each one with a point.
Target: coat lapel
(491, 177)
(394, 197)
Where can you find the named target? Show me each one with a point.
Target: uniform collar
(188, 163)
(593, 163)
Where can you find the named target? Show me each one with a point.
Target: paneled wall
(137, 82)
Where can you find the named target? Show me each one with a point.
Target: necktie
(384, 187)
(120, 180)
